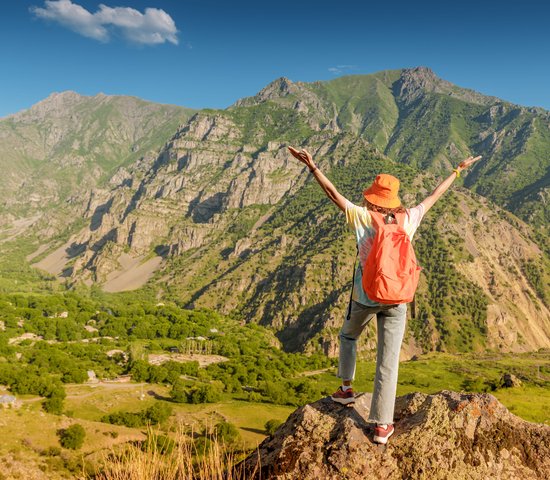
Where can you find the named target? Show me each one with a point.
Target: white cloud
(339, 69)
(152, 27)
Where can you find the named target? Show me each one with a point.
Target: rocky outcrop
(509, 380)
(58, 151)
(417, 81)
(442, 436)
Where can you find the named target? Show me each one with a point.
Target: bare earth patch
(133, 273)
(56, 261)
(204, 360)
(41, 249)
(18, 227)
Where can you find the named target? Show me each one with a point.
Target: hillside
(53, 154)
(419, 119)
(224, 218)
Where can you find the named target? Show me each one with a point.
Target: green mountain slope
(224, 218)
(417, 118)
(68, 144)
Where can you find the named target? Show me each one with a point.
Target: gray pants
(390, 320)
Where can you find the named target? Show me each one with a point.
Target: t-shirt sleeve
(415, 216)
(357, 216)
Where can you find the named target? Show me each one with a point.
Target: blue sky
(206, 53)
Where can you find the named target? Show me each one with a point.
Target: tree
(179, 392)
(226, 431)
(207, 393)
(53, 405)
(158, 413)
(72, 437)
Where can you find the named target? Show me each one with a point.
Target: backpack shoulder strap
(377, 219)
(400, 217)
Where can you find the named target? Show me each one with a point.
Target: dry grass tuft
(172, 458)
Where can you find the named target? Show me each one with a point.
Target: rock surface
(445, 435)
(509, 380)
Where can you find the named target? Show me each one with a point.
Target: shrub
(155, 414)
(179, 392)
(272, 425)
(204, 394)
(53, 405)
(226, 431)
(72, 437)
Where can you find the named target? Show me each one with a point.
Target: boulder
(441, 436)
(509, 380)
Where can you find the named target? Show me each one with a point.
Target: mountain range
(207, 207)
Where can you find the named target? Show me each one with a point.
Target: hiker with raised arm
(382, 286)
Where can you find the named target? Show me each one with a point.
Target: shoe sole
(343, 401)
(383, 440)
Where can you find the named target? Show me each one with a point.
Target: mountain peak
(55, 104)
(64, 95)
(414, 82)
(421, 72)
(281, 87)
(424, 77)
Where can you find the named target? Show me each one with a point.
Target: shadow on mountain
(110, 236)
(203, 211)
(310, 321)
(75, 249)
(97, 216)
(67, 272)
(162, 250)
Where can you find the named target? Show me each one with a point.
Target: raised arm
(330, 190)
(443, 186)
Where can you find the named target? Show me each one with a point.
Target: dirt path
(314, 372)
(101, 385)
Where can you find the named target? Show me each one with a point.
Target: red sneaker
(382, 433)
(343, 397)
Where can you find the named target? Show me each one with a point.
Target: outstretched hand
(304, 156)
(466, 163)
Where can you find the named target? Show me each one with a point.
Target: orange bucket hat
(383, 191)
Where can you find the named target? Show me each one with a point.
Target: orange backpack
(390, 273)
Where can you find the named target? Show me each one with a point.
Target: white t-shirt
(360, 221)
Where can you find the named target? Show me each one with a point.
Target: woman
(381, 196)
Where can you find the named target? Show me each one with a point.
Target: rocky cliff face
(54, 153)
(204, 172)
(223, 218)
(441, 436)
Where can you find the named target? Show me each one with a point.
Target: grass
(30, 432)
(473, 373)
(177, 457)
(92, 403)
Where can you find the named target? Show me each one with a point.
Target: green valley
(177, 268)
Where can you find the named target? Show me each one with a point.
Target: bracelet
(313, 169)
(457, 171)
